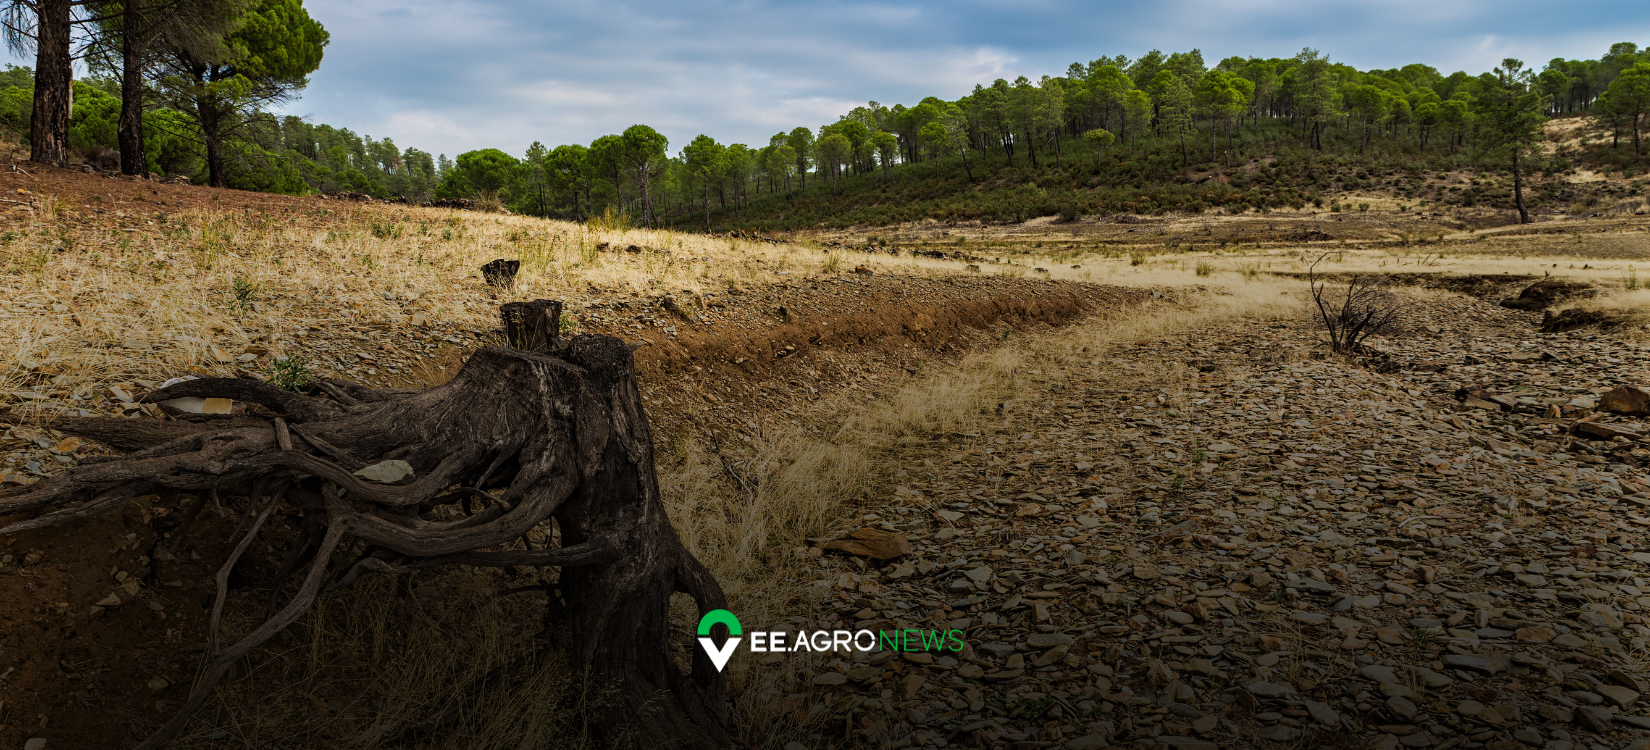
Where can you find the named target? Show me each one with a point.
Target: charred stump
(546, 429)
(501, 273)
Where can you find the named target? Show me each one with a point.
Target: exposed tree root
(559, 428)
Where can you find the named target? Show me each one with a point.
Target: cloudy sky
(449, 76)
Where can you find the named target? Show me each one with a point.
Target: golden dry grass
(94, 304)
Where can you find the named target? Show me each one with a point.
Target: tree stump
(557, 424)
(501, 273)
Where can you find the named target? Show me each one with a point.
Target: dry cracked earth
(1224, 539)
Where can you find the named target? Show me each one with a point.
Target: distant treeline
(1111, 135)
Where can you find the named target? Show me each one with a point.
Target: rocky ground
(1226, 539)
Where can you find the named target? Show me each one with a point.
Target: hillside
(1264, 172)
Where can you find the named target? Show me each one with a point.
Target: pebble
(386, 472)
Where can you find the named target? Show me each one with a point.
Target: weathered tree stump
(557, 424)
(501, 273)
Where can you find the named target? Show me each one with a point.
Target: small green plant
(1031, 708)
(243, 292)
(1363, 206)
(1250, 271)
(1335, 208)
(1419, 638)
(833, 263)
(447, 235)
(1205, 268)
(567, 323)
(386, 230)
(1631, 280)
(1137, 259)
(289, 373)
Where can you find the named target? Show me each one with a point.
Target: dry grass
(190, 290)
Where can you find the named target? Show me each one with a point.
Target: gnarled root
(562, 433)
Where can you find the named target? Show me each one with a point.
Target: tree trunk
(1031, 147)
(212, 118)
(1518, 190)
(53, 84)
(560, 429)
(129, 129)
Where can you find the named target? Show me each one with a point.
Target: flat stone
(1378, 673)
(1047, 640)
(1493, 633)
(1394, 690)
(1089, 742)
(1618, 695)
(873, 543)
(1184, 711)
(1310, 618)
(1529, 737)
(1531, 580)
(1469, 708)
(1401, 707)
(982, 573)
(1626, 400)
(863, 674)
(1474, 663)
(830, 678)
(1268, 690)
(1569, 640)
(1312, 586)
(1280, 733)
(1627, 680)
(1322, 713)
(1535, 634)
(1430, 678)
(1419, 739)
(1147, 572)
(386, 472)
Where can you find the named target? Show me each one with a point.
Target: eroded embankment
(102, 626)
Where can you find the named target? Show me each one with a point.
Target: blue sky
(449, 76)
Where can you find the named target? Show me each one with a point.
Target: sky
(449, 76)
